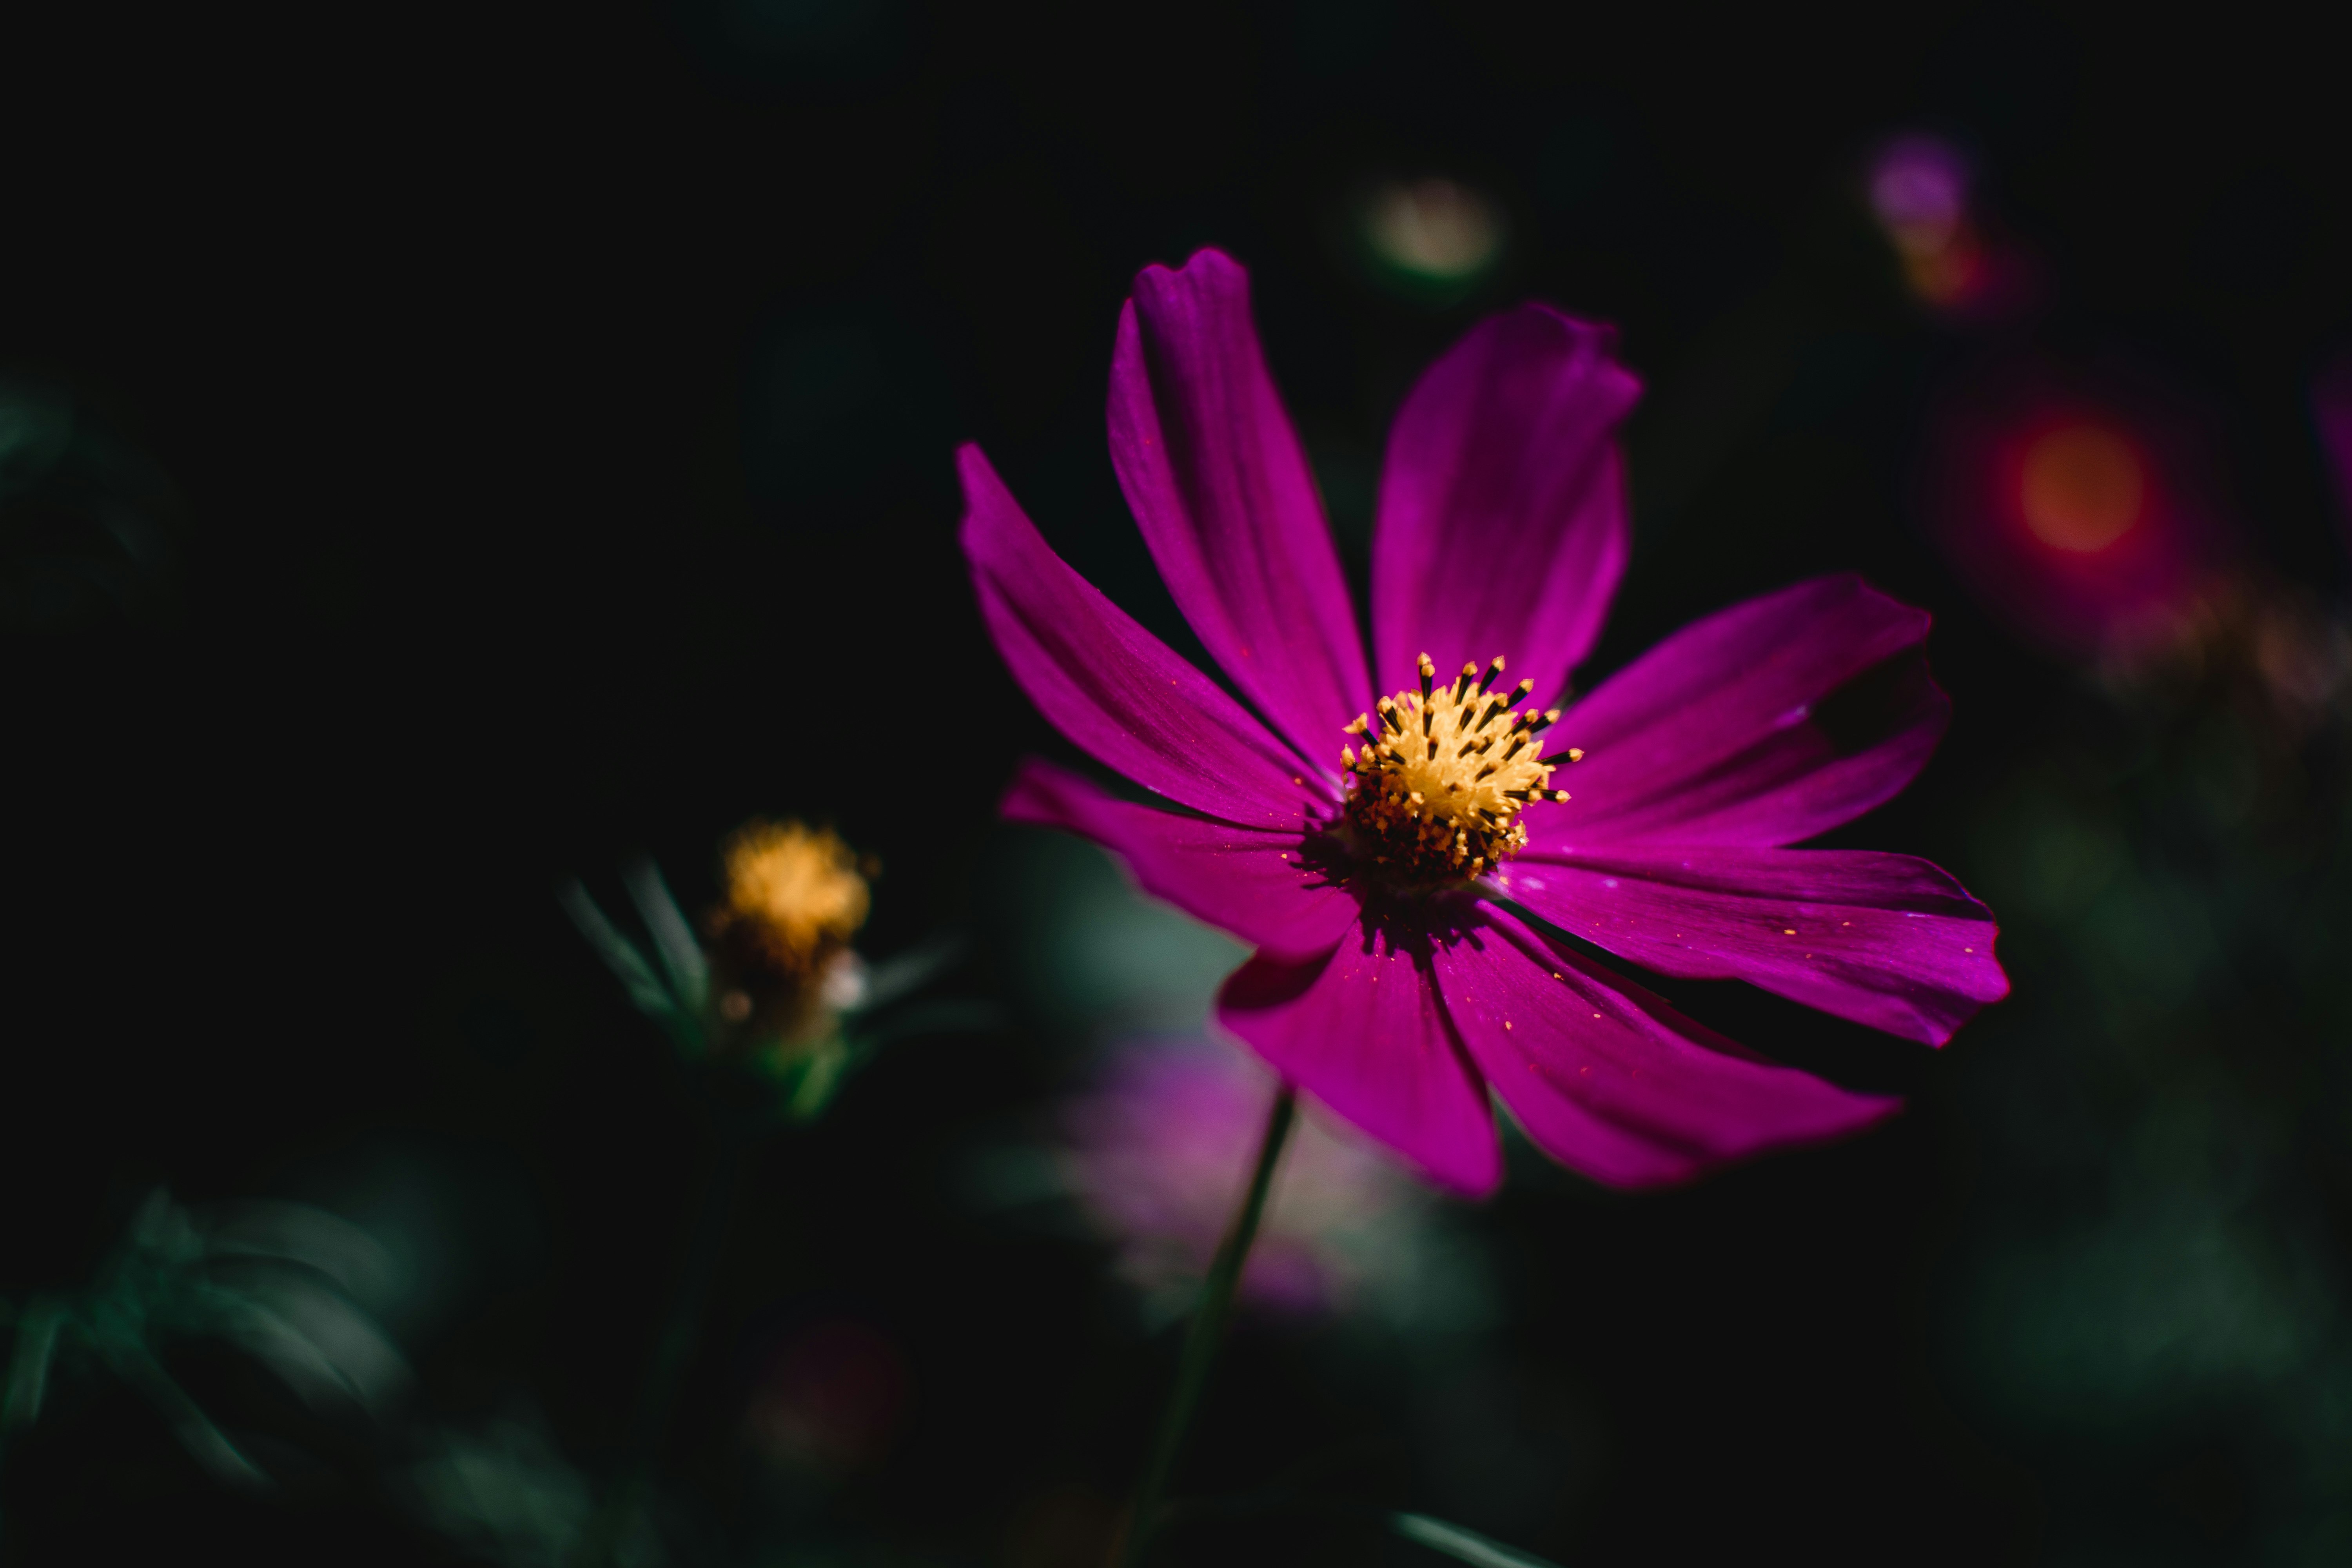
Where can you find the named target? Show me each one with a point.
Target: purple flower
(1402, 893)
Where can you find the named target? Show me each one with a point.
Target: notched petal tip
(1592, 346)
(1501, 517)
(1207, 268)
(1220, 489)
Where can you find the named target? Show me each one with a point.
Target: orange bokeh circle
(2082, 488)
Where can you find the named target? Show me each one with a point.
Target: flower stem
(1206, 1332)
(659, 1395)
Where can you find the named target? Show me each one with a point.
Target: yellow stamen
(1462, 748)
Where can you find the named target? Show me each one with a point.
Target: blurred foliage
(282, 1283)
(507, 1495)
(858, 1009)
(88, 526)
(2154, 1294)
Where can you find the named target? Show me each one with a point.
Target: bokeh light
(1919, 190)
(2081, 487)
(1922, 190)
(2080, 508)
(1432, 235)
(1919, 187)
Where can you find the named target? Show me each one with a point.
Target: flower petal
(1112, 687)
(1884, 940)
(1363, 1033)
(1254, 884)
(1767, 723)
(1502, 511)
(1226, 502)
(1611, 1081)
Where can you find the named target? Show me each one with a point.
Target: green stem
(1206, 1332)
(666, 1373)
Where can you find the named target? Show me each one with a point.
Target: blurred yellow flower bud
(795, 898)
(793, 893)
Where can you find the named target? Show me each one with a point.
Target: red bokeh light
(2081, 504)
(2082, 487)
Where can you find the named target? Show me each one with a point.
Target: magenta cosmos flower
(1402, 866)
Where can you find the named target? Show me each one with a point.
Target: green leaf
(908, 972)
(29, 1369)
(815, 1075)
(1463, 1545)
(681, 955)
(507, 1493)
(621, 955)
(821, 1074)
(161, 1233)
(318, 1342)
(306, 1238)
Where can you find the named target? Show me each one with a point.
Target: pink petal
(1884, 940)
(1611, 1081)
(1254, 884)
(1112, 687)
(1214, 472)
(1502, 511)
(1735, 730)
(1363, 1033)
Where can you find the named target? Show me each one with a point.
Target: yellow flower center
(1436, 792)
(794, 892)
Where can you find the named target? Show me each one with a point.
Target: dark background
(540, 424)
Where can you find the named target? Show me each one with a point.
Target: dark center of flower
(1436, 794)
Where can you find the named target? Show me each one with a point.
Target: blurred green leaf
(815, 1077)
(820, 1075)
(507, 1493)
(1463, 1545)
(315, 1340)
(296, 1233)
(28, 1367)
(681, 955)
(277, 1280)
(910, 971)
(636, 977)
